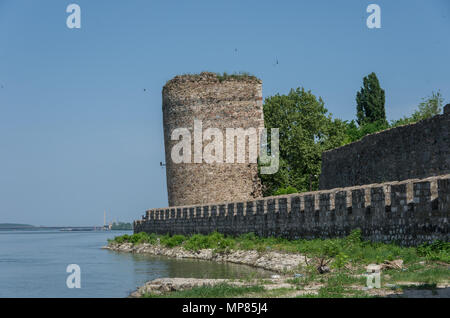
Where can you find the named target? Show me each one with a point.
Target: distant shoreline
(121, 226)
(15, 226)
(26, 227)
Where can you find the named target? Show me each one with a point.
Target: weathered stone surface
(165, 285)
(221, 104)
(270, 260)
(408, 213)
(373, 268)
(418, 150)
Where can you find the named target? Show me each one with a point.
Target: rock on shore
(271, 260)
(167, 285)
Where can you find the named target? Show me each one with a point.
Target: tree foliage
(355, 132)
(370, 102)
(306, 130)
(429, 107)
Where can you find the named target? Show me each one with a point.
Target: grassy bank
(217, 291)
(342, 250)
(345, 261)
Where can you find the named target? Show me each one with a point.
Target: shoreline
(274, 261)
(322, 269)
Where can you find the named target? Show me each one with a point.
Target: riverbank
(272, 261)
(315, 268)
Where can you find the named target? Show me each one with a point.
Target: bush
(215, 240)
(137, 238)
(242, 76)
(436, 251)
(196, 242)
(248, 241)
(121, 239)
(342, 250)
(172, 241)
(341, 260)
(283, 191)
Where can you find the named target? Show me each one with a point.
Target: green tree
(355, 132)
(370, 102)
(429, 107)
(306, 130)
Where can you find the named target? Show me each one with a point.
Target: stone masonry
(409, 213)
(361, 176)
(418, 150)
(231, 102)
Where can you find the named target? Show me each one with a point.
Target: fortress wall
(412, 151)
(234, 102)
(409, 212)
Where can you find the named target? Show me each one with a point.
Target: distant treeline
(121, 226)
(15, 226)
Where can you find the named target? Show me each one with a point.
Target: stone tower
(221, 102)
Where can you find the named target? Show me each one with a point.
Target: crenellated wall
(418, 150)
(409, 212)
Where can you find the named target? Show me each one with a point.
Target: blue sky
(78, 133)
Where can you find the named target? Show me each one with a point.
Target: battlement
(209, 77)
(417, 150)
(409, 212)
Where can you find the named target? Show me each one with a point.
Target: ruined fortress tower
(217, 102)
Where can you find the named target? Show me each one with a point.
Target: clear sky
(78, 133)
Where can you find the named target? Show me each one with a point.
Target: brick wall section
(229, 103)
(409, 212)
(412, 151)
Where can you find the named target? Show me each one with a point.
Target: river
(33, 264)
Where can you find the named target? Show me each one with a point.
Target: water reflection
(33, 264)
(160, 266)
(423, 293)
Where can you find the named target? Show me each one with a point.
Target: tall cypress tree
(370, 102)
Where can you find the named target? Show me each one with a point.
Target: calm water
(33, 264)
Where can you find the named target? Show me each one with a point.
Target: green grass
(273, 293)
(350, 249)
(217, 291)
(335, 286)
(138, 238)
(436, 251)
(425, 275)
(427, 264)
(235, 76)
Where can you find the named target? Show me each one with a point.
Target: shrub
(215, 240)
(242, 76)
(172, 241)
(435, 251)
(196, 242)
(287, 190)
(121, 239)
(340, 260)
